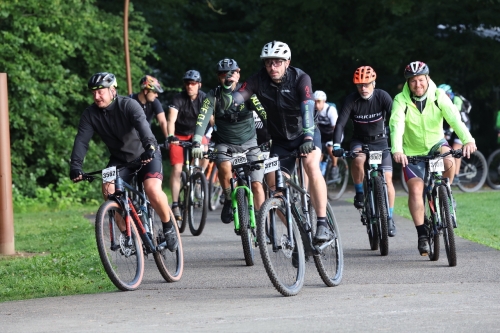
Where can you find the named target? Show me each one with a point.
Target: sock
(359, 188)
(175, 204)
(167, 226)
(421, 230)
(391, 210)
(227, 194)
(322, 221)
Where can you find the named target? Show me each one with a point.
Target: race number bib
(436, 165)
(271, 164)
(239, 158)
(109, 174)
(375, 157)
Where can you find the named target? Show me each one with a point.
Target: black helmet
(416, 68)
(102, 80)
(192, 75)
(226, 65)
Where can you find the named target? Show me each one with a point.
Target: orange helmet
(364, 74)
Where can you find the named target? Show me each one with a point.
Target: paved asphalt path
(401, 292)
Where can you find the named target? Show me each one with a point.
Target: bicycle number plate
(375, 157)
(109, 174)
(271, 164)
(436, 165)
(239, 158)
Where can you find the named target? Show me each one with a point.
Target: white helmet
(319, 95)
(276, 49)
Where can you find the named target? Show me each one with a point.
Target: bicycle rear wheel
(382, 213)
(198, 204)
(183, 200)
(473, 172)
(336, 184)
(245, 230)
(493, 178)
(284, 264)
(124, 263)
(170, 264)
(330, 258)
(446, 219)
(214, 188)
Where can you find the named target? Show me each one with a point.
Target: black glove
(166, 144)
(172, 138)
(75, 173)
(307, 146)
(148, 153)
(227, 83)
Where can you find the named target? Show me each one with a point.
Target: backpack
(466, 106)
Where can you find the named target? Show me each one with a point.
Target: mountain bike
(242, 197)
(440, 215)
(472, 175)
(375, 211)
(285, 231)
(336, 183)
(193, 194)
(493, 170)
(128, 230)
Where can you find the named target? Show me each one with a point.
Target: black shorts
(153, 169)
(283, 148)
(381, 145)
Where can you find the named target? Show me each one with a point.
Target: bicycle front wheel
(473, 172)
(124, 263)
(214, 188)
(245, 230)
(284, 263)
(336, 183)
(382, 213)
(198, 204)
(493, 178)
(170, 264)
(183, 201)
(330, 258)
(446, 219)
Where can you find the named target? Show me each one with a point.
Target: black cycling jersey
(122, 126)
(289, 105)
(368, 116)
(150, 108)
(188, 112)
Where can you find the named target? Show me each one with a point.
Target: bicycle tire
(371, 228)
(214, 188)
(493, 174)
(183, 200)
(336, 186)
(198, 204)
(245, 230)
(123, 264)
(473, 171)
(170, 264)
(279, 262)
(330, 261)
(448, 232)
(433, 237)
(382, 213)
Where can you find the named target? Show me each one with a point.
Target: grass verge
(477, 216)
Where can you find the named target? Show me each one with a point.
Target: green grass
(477, 216)
(56, 256)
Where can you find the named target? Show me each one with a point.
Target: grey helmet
(102, 80)
(192, 75)
(226, 65)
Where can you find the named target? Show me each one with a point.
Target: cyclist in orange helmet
(368, 108)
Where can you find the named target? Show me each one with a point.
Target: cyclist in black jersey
(368, 108)
(235, 132)
(122, 126)
(286, 94)
(148, 99)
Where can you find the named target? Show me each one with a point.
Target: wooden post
(6, 208)
(125, 42)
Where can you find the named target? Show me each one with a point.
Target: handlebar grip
(338, 152)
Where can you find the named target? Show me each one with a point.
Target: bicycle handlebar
(415, 159)
(89, 176)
